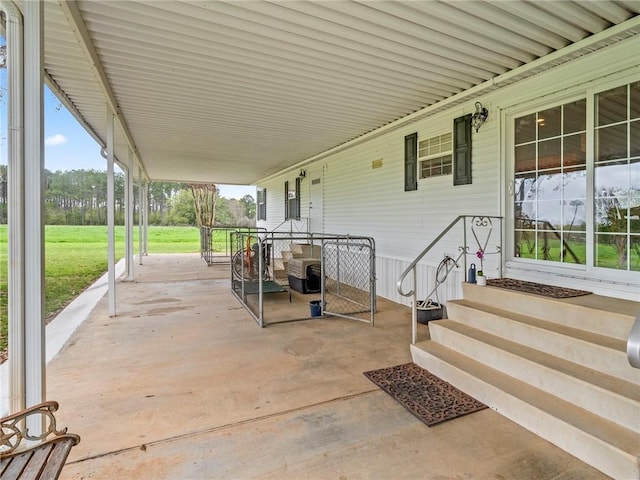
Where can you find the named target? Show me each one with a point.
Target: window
(435, 155)
(564, 191)
(616, 177)
(292, 201)
(550, 184)
(262, 204)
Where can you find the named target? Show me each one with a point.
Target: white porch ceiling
(233, 91)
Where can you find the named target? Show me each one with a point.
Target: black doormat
(536, 288)
(427, 397)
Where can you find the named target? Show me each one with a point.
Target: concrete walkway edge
(60, 329)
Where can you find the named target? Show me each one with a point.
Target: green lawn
(76, 256)
(606, 254)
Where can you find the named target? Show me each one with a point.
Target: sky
(68, 146)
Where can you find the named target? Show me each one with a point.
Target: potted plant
(480, 278)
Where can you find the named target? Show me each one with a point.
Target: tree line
(79, 197)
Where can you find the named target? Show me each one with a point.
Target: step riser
(577, 316)
(591, 450)
(621, 410)
(303, 250)
(594, 356)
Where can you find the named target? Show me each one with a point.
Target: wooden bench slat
(16, 466)
(36, 463)
(61, 450)
(4, 463)
(42, 455)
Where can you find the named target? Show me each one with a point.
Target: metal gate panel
(347, 282)
(348, 279)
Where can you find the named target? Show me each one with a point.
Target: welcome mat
(536, 288)
(427, 397)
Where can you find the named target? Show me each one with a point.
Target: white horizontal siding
(276, 201)
(390, 268)
(365, 201)
(360, 200)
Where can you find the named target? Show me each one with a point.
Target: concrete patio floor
(182, 384)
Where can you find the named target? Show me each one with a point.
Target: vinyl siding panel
(276, 201)
(361, 200)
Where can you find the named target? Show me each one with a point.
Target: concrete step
(279, 268)
(286, 255)
(593, 313)
(305, 250)
(609, 397)
(599, 352)
(605, 445)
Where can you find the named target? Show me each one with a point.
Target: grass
(76, 256)
(606, 254)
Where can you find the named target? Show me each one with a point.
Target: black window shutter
(286, 200)
(297, 212)
(462, 150)
(411, 162)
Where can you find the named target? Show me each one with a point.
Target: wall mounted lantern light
(479, 117)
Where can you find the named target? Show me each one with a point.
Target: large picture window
(617, 178)
(550, 184)
(574, 204)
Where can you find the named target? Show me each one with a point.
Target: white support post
(145, 244)
(35, 354)
(111, 238)
(15, 212)
(128, 205)
(140, 212)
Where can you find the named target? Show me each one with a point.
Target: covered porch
(177, 382)
(183, 384)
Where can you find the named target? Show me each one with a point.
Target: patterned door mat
(536, 288)
(427, 397)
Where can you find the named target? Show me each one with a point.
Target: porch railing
(476, 229)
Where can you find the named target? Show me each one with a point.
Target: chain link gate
(349, 279)
(345, 272)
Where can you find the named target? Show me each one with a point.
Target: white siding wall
(276, 200)
(360, 200)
